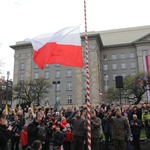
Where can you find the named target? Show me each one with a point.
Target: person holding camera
(15, 139)
(5, 132)
(136, 126)
(120, 129)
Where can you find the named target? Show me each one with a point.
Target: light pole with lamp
(8, 73)
(56, 103)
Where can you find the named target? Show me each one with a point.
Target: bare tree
(32, 91)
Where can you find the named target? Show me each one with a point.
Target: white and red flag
(146, 69)
(62, 47)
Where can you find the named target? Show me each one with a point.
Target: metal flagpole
(87, 83)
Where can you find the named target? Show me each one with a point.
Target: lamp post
(8, 73)
(56, 103)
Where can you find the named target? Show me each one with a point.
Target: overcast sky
(22, 19)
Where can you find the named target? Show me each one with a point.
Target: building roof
(114, 36)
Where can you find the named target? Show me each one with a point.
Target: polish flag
(146, 69)
(62, 47)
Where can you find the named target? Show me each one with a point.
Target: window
(105, 67)
(46, 100)
(84, 59)
(69, 99)
(133, 65)
(123, 66)
(132, 55)
(84, 84)
(57, 65)
(57, 75)
(58, 99)
(47, 65)
(21, 76)
(144, 52)
(124, 75)
(57, 87)
(114, 76)
(69, 85)
(84, 71)
(105, 57)
(46, 74)
(36, 75)
(69, 73)
(122, 56)
(114, 66)
(113, 56)
(35, 66)
(22, 66)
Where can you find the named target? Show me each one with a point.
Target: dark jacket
(5, 135)
(58, 138)
(95, 127)
(32, 131)
(79, 126)
(135, 129)
(120, 127)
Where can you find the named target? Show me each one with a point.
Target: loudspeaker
(119, 81)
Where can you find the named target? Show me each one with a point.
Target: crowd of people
(42, 127)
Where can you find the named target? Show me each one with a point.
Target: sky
(21, 19)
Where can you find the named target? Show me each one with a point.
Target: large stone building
(111, 53)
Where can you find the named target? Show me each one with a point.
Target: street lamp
(8, 73)
(56, 103)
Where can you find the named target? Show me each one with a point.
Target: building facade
(111, 53)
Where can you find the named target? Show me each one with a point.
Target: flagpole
(87, 83)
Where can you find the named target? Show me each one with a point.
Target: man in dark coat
(33, 129)
(136, 126)
(5, 132)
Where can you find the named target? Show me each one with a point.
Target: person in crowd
(33, 129)
(23, 137)
(11, 115)
(58, 138)
(15, 139)
(136, 126)
(21, 117)
(37, 145)
(29, 116)
(79, 129)
(68, 112)
(95, 130)
(107, 130)
(5, 132)
(146, 122)
(137, 111)
(120, 129)
(68, 139)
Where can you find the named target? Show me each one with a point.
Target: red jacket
(68, 136)
(23, 138)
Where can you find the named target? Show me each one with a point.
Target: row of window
(22, 66)
(106, 77)
(69, 99)
(122, 56)
(123, 66)
(47, 74)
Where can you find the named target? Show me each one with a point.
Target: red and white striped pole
(87, 83)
